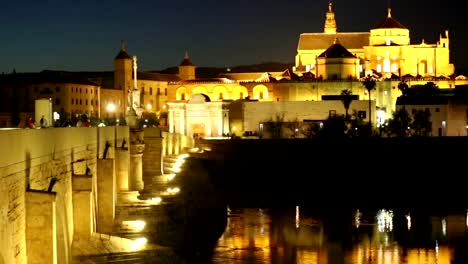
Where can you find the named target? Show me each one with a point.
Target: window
(142, 90)
(158, 91)
(220, 96)
(182, 97)
(86, 101)
(151, 90)
(241, 95)
(57, 101)
(386, 65)
(437, 110)
(80, 101)
(260, 95)
(165, 91)
(72, 101)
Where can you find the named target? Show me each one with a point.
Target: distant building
(448, 109)
(386, 50)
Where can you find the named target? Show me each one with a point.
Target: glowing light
(357, 218)
(444, 226)
(173, 190)
(138, 243)
(195, 149)
(149, 106)
(297, 216)
(385, 220)
(156, 200)
(111, 107)
(170, 176)
(136, 225)
(408, 220)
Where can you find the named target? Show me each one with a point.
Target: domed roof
(389, 22)
(122, 53)
(336, 51)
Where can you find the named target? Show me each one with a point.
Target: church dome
(389, 22)
(336, 51)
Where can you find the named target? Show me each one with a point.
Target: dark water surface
(301, 235)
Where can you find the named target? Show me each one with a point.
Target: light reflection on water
(264, 236)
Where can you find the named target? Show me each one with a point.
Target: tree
(422, 125)
(275, 126)
(369, 83)
(403, 87)
(294, 126)
(399, 123)
(346, 98)
(333, 128)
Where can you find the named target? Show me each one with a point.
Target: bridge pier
(122, 160)
(41, 242)
(106, 195)
(137, 146)
(83, 217)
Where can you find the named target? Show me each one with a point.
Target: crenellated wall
(47, 161)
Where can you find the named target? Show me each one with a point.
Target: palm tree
(369, 83)
(403, 87)
(346, 98)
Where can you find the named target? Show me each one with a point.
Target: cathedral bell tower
(330, 23)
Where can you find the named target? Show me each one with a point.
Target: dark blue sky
(85, 35)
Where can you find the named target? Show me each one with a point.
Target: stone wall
(46, 160)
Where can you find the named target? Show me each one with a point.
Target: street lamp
(111, 107)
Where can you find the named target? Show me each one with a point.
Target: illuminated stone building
(386, 50)
(152, 87)
(68, 93)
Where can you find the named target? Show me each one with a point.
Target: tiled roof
(321, 41)
(389, 22)
(252, 76)
(186, 62)
(336, 51)
(123, 55)
(153, 76)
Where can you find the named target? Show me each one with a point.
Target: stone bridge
(61, 187)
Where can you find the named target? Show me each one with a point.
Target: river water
(380, 236)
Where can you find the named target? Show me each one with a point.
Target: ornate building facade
(386, 50)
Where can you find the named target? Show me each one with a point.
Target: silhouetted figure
(30, 123)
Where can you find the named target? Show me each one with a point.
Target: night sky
(85, 35)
